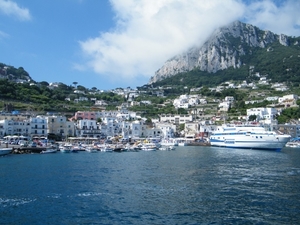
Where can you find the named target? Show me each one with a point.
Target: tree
(75, 84)
(81, 88)
(44, 83)
(94, 89)
(252, 117)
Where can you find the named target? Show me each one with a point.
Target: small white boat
(149, 147)
(106, 148)
(5, 151)
(91, 149)
(171, 148)
(167, 148)
(293, 144)
(49, 150)
(65, 148)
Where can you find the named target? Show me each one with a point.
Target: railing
(90, 131)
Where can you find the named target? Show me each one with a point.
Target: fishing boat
(5, 151)
(250, 137)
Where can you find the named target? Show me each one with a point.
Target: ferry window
(256, 137)
(260, 136)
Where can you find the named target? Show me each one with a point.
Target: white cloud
(147, 33)
(11, 8)
(280, 18)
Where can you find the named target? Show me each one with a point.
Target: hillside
(234, 52)
(12, 73)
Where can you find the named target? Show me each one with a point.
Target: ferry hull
(271, 144)
(249, 138)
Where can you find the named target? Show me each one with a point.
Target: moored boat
(5, 151)
(91, 149)
(49, 150)
(65, 148)
(250, 137)
(166, 148)
(149, 147)
(293, 144)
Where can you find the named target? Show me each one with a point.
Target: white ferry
(251, 137)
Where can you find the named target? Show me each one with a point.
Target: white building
(138, 129)
(266, 114)
(288, 97)
(39, 126)
(167, 130)
(229, 99)
(176, 119)
(272, 98)
(226, 104)
(14, 127)
(88, 128)
(181, 102)
(100, 102)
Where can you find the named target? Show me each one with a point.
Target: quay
(17, 149)
(194, 143)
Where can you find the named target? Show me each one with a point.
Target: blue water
(190, 185)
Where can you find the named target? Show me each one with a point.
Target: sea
(188, 185)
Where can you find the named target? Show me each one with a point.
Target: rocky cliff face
(221, 51)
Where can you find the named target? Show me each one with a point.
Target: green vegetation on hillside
(41, 98)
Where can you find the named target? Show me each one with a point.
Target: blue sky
(119, 43)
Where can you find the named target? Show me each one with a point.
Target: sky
(111, 44)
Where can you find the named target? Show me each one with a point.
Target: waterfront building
(126, 131)
(14, 127)
(88, 128)
(39, 127)
(167, 130)
(138, 129)
(153, 132)
(191, 129)
(60, 126)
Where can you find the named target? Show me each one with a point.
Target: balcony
(92, 132)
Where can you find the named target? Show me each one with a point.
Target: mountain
(232, 47)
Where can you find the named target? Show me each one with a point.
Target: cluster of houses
(126, 124)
